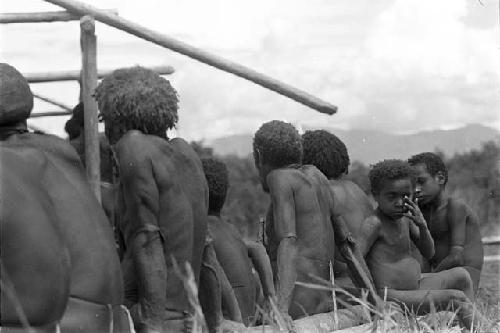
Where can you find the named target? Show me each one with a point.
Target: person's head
(326, 152)
(432, 176)
(218, 183)
(275, 145)
(16, 99)
(136, 99)
(391, 181)
(74, 125)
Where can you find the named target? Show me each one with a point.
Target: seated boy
(329, 154)
(453, 225)
(233, 253)
(387, 236)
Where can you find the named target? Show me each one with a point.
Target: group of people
(72, 264)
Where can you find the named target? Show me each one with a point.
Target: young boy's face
(390, 199)
(427, 186)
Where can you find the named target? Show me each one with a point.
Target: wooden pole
(50, 114)
(75, 75)
(89, 83)
(43, 17)
(53, 102)
(198, 54)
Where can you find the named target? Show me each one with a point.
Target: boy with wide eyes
(387, 237)
(453, 225)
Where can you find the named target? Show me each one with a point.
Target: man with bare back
(301, 226)
(329, 154)
(163, 196)
(59, 267)
(453, 225)
(236, 257)
(387, 237)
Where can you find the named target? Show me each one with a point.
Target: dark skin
(354, 206)
(301, 235)
(165, 203)
(236, 258)
(70, 221)
(387, 241)
(453, 226)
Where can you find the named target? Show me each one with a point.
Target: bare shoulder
(50, 144)
(457, 206)
(281, 179)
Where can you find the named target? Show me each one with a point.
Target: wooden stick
(43, 17)
(53, 102)
(75, 75)
(50, 114)
(198, 54)
(89, 83)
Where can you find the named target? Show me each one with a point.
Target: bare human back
(43, 180)
(163, 197)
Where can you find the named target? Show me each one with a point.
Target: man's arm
(142, 233)
(283, 204)
(457, 220)
(419, 232)
(262, 264)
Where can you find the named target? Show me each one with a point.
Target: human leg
(421, 301)
(454, 278)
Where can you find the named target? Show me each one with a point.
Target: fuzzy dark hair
(389, 170)
(279, 144)
(325, 151)
(74, 125)
(138, 98)
(218, 182)
(432, 162)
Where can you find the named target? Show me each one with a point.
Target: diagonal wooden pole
(282, 88)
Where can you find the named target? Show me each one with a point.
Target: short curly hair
(389, 170)
(218, 182)
(74, 125)
(137, 98)
(325, 151)
(279, 144)
(432, 162)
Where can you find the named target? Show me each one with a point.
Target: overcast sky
(392, 65)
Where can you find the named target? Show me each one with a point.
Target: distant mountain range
(369, 146)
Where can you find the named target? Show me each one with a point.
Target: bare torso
(52, 191)
(351, 203)
(181, 193)
(389, 259)
(232, 255)
(439, 222)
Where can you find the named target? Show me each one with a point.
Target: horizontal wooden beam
(75, 75)
(495, 240)
(43, 17)
(198, 54)
(50, 114)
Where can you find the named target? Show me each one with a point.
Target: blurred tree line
(472, 176)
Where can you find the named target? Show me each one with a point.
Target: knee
(463, 278)
(458, 296)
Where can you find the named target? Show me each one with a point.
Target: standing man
(59, 267)
(300, 220)
(163, 196)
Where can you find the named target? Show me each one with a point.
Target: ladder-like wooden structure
(89, 75)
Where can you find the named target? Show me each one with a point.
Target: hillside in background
(369, 146)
